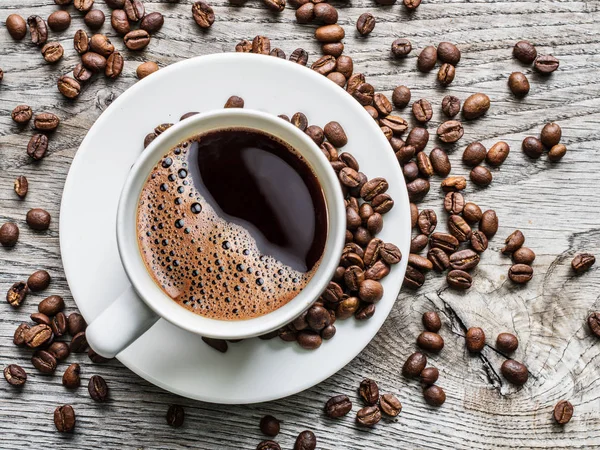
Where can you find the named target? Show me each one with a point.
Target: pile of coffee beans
(521, 271)
(549, 140)
(447, 53)
(270, 426)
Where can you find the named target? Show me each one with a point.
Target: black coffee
(232, 224)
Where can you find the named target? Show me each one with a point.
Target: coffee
(232, 224)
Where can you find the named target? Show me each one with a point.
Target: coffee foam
(208, 265)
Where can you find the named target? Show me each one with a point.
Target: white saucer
(254, 370)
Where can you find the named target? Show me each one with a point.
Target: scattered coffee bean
(175, 414)
(479, 241)
(83, 5)
(41, 319)
(481, 176)
(37, 146)
(546, 64)
(390, 405)
(335, 134)
(329, 33)
(94, 19)
(532, 147)
(593, 321)
(563, 412)
(414, 215)
(427, 221)
(76, 324)
(418, 138)
(38, 281)
(325, 13)
(453, 184)
(64, 418)
(152, 22)
(43, 360)
(507, 342)
(114, 65)
(472, 213)
(46, 122)
(518, 84)
(434, 395)
(582, 262)
(427, 59)
(137, 39)
(59, 324)
(81, 42)
(523, 255)
(401, 96)
(557, 152)
(417, 189)
(17, 293)
(146, 69)
(275, 5)
(338, 406)
(459, 228)
(369, 416)
(459, 279)
(332, 48)
(51, 305)
(15, 375)
(429, 376)
(38, 30)
(474, 154)
(234, 102)
(475, 106)
(78, 343)
(401, 48)
(514, 372)
(419, 262)
(411, 5)
(98, 389)
(69, 87)
(365, 23)
(369, 391)
(21, 114)
(16, 26)
(513, 242)
(120, 22)
(21, 187)
(414, 365)
(464, 260)
(422, 110)
(450, 131)
(424, 165)
(520, 273)
(444, 241)
(454, 203)
(71, 379)
(431, 342)
(431, 321)
(489, 223)
(551, 134)
(81, 74)
(96, 358)
(306, 440)
(450, 106)
(475, 339)
(59, 20)
(60, 350)
(418, 243)
(9, 234)
(448, 53)
(525, 52)
(19, 336)
(446, 74)
(309, 340)
(269, 425)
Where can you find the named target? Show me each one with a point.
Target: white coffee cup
(144, 302)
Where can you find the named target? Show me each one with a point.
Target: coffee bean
(431, 342)
(444, 241)
(520, 273)
(269, 425)
(21, 114)
(582, 262)
(94, 19)
(60, 350)
(410, 171)
(370, 291)
(347, 307)
(434, 396)
(16, 26)
(373, 187)
(234, 102)
(41, 319)
(243, 46)
(446, 74)
(450, 105)
(17, 293)
(459, 279)
(324, 65)
(120, 22)
(424, 164)
(475, 339)
(76, 324)
(401, 96)
(44, 361)
(364, 94)
(532, 147)
(71, 379)
(454, 203)
(309, 340)
(306, 441)
(335, 134)
(411, 5)
(81, 42)
(15, 375)
(514, 372)
(395, 123)
(98, 359)
(338, 406)
(481, 176)
(46, 122)
(546, 64)
(354, 82)
(365, 23)
(489, 223)
(81, 74)
(418, 243)
(9, 234)
(523, 255)
(557, 152)
(318, 318)
(137, 39)
(427, 221)
(518, 84)
(151, 22)
(369, 416)
(51, 305)
(551, 134)
(83, 5)
(563, 412)
(115, 4)
(101, 44)
(325, 13)
(418, 138)
(93, 61)
(450, 131)
(59, 20)
(479, 241)
(439, 259)
(507, 342)
(329, 33)
(332, 48)
(38, 30)
(401, 48)
(114, 65)
(448, 53)
(344, 64)
(525, 52)
(219, 345)
(390, 253)
(422, 110)
(453, 184)
(513, 242)
(429, 376)
(275, 5)
(475, 106)
(414, 365)
(593, 321)
(419, 262)
(414, 215)
(21, 187)
(474, 154)
(59, 324)
(375, 223)
(464, 260)
(78, 343)
(19, 335)
(369, 391)
(427, 59)
(146, 68)
(382, 104)
(69, 87)
(98, 389)
(390, 405)
(472, 213)
(175, 414)
(64, 418)
(37, 146)
(417, 189)
(134, 9)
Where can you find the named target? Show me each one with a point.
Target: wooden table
(555, 205)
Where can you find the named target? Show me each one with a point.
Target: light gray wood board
(555, 205)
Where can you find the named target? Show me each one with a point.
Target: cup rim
(127, 242)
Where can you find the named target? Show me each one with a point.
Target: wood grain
(555, 205)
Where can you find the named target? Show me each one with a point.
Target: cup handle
(125, 320)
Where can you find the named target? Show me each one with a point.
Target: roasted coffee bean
(219, 345)
(422, 110)
(489, 223)
(431, 342)
(332, 48)
(427, 221)
(353, 220)
(365, 312)
(454, 203)
(377, 271)
(81, 74)
(22, 114)
(309, 340)
(464, 260)
(390, 253)
(411, 5)
(448, 53)
(243, 46)
(410, 171)
(268, 445)
(481, 176)
(9, 234)
(525, 52)
(401, 96)
(16, 26)
(60, 350)
(507, 342)
(593, 321)
(19, 336)
(71, 379)
(382, 104)
(59, 20)
(472, 213)
(98, 359)
(51, 305)
(532, 147)
(38, 30)
(83, 5)
(370, 291)
(15, 375)
(318, 318)
(582, 262)
(69, 87)
(475, 106)
(557, 152)
(375, 223)
(176, 415)
(546, 64)
(76, 324)
(369, 416)
(475, 339)
(349, 177)
(514, 372)
(44, 361)
(329, 33)
(418, 243)
(324, 65)
(444, 241)
(418, 138)
(390, 405)
(520, 273)
(434, 395)
(37, 146)
(114, 65)
(17, 293)
(94, 19)
(100, 44)
(269, 425)
(474, 154)
(137, 39)
(81, 42)
(417, 189)
(316, 133)
(300, 121)
(188, 115)
(429, 376)
(364, 94)
(64, 418)
(134, 9)
(459, 279)
(347, 307)
(234, 102)
(365, 23)
(453, 184)
(450, 105)
(115, 4)
(513, 242)
(275, 5)
(479, 241)
(93, 61)
(401, 48)
(152, 22)
(427, 59)
(344, 64)
(46, 122)
(300, 322)
(79, 343)
(551, 134)
(563, 412)
(419, 262)
(395, 123)
(439, 259)
(523, 255)
(146, 68)
(414, 215)
(41, 319)
(446, 74)
(414, 365)
(306, 441)
(330, 152)
(59, 324)
(325, 13)
(450, 131)
(354, 82)
(373, 187)
(424, 164)
(518, 84)
(120, 22)
(98, 389)
(369, 391)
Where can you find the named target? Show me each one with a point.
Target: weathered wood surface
(555, 205)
